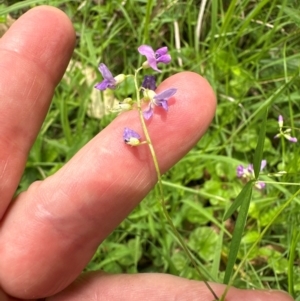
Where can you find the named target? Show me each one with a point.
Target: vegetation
(249, 52)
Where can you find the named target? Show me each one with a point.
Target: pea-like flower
(149, 82)
(109, 81)
(286, 134)
(131, 137)
(159, 100)
(154, 57)
(247, 174)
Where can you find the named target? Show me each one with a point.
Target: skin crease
(51, 231)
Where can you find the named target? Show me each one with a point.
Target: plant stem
(160, 185)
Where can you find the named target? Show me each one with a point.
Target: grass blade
(260, 146)
(245, 194)
(239, 200)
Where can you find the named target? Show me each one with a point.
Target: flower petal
(166, 59)
(165, 94)
(293, 139)
(161, 51)
(240, 171)
(150, 55)
(260, 185)
(129, 133)
(146, 50)
(104, 85)
(263, 164)
(148, 113)
(250, 169)
(164, 104)
(105, 72)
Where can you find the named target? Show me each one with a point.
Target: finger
(33, 56)
(96, 285)
(79, 206)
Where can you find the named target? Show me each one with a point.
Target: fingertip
(187, 79)
(195, 98)
(192, 89)
(44, 36)
(191, 111)
(34, 54)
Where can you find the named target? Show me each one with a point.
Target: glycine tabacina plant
(155, 101)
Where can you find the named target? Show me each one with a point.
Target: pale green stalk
(160, 185)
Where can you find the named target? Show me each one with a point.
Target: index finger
(85, 200)
(33, 56)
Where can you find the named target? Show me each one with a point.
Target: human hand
(51, 231)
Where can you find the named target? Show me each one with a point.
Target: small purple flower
(292, 139)
(109, 81)
(149, 82)
(263, 164)
(240, 171)
(247, 173)
(154, 57)
(260, 185)
(131, 137)
(286, 134)
(159, 100)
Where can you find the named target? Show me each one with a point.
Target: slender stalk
(160, 185)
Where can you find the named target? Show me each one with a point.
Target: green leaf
(203, 240)
(260, 146)
(243, 196)
(237, 234)
(292, 13)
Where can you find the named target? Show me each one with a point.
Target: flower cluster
(247, 174)
(148, 88)
(286, 133)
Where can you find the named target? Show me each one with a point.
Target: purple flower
(109, 81)
(263, 164)
(154, 57)
(159, 100)
(292, 139)
(260, 185)
(240, 171)
(131, 137)
(286, 134)
(149, 82)
(247, 173)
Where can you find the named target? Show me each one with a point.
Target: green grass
(249, 52)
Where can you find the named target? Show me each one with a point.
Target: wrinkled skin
(51, 231)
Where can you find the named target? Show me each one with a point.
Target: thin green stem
(292, 254)
(283, 151)
(160, 185)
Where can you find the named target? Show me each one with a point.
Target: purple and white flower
(154, 57)
(109, 82)
(247, 173)
(131, 137)
(159, 100)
